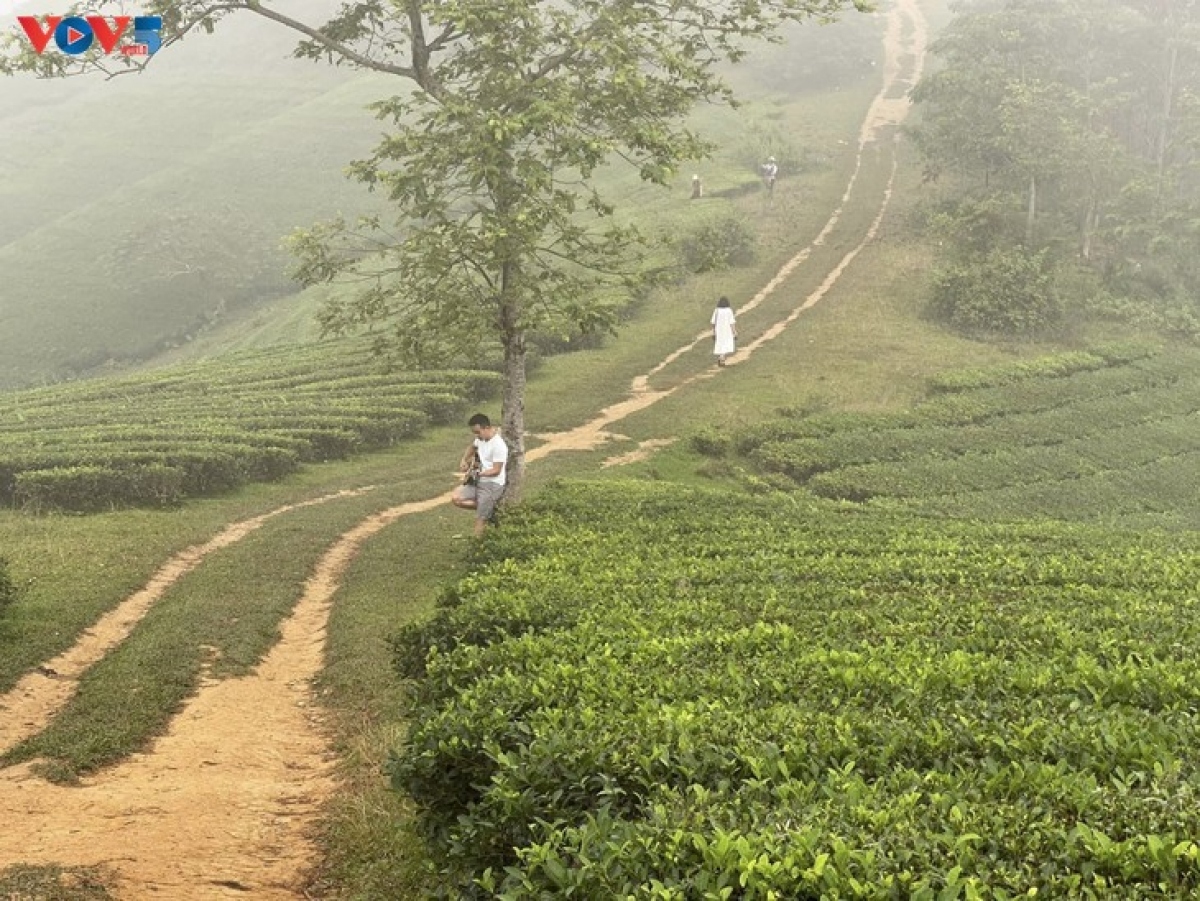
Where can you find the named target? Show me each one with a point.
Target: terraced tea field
(204, 428)
(656, 692)
(1111, 435)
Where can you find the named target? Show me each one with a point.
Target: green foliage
(650, 692)
(1074, 125)
(201, 429)
(1109, 433)
(94, 488)
(711, 443)
(8, 589)
(1009, 291)
(717, 244)
(1043, 367)
(1175, 316)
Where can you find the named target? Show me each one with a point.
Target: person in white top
(770, 171)
(484, 467)
(724, 330)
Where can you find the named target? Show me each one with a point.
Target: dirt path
(223, 805)
(28, 706)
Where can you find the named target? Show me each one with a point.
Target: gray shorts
(485, 495)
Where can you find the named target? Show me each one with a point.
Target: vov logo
(76, 34)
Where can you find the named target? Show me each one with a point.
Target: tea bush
(652, 692)
(1113, 433)
(1005, 290)
(156, 438)
(717, 244)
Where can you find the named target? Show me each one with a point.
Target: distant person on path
(697, 187)
(483, 463)
(724, 330)
(770, 170)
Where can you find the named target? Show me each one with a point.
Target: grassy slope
(862, 348)
(134, 211)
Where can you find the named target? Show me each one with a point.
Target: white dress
(722, 323)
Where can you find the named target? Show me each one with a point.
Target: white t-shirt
(491, 452)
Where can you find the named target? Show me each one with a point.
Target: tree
(1008, 111)
(508, 109)
(1086, 115)
(1007, 290)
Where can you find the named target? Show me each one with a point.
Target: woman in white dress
(724, 330)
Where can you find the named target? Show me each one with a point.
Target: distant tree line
(1065, 138)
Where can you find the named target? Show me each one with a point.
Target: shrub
(653, 692)
(711, 443)
(717, 245)
(96, 488)
(1009, 291)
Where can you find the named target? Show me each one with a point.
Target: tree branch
(337, 47)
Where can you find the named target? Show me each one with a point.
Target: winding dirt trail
(28, 706)
(224, 804)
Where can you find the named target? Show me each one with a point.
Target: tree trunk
(1031, 213)
(1089, 227)
(1164, 126)
(512, 412)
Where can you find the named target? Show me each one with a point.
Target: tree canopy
(1074, 127)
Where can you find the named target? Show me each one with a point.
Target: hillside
(200, 429)
(1107, 436)
(138, 211)
(666, 675)
(152, 231)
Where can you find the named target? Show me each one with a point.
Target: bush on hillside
(718, 244)
(645, 691)
(1006, 290)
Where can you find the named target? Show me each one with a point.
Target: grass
(219, 619)
(70, 570)
(369, 825)
(54, 883)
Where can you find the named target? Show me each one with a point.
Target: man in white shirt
(770, 170)
(489, 479)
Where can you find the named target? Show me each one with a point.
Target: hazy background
(142, 212)
(137, 211)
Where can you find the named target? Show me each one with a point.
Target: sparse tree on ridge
(503, 113)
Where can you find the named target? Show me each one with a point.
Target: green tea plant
(646, 691)
(1112, 433)
(156, 438)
